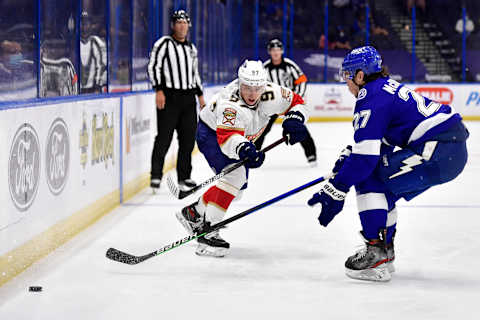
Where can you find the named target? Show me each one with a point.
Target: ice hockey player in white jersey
(227, 128)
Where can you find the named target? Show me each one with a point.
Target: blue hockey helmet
(365, 58)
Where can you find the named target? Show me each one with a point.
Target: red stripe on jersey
(219, 197)
(223, 134)
(297, 99)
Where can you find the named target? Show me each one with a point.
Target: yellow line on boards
(19, 259)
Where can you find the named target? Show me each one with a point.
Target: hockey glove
(341, 159)
(332, 198)
(247, 150)
(293, 127)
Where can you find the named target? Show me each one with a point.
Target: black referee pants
(180, 113)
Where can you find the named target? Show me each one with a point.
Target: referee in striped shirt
(173, 71)
(286, 73)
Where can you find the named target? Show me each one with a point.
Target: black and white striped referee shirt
(174, 65)
(287, 74)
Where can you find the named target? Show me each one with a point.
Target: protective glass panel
(308, 32)
(120, 46)
(18, 54)
(214, 38)
(472, 39)
(93, 47)
(59, 49)
(272, 22)
(141, 44)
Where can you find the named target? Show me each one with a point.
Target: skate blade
(184, 222)
(391, 267)
(380, 274)
(207, 251)
(312, 164)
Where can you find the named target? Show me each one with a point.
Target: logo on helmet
(252, 73)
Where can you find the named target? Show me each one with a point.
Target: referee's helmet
(180, 15)
(275, 43)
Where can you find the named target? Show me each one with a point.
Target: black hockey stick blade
(123, 257)
(120, 256)
(180, 194)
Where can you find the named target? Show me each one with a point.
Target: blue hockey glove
(293, 127)
(341, 159)
(247, 150)
(332, 198)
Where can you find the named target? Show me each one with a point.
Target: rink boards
(67, 162)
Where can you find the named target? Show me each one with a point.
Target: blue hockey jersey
(388, 113)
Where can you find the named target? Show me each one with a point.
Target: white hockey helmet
(252, 73)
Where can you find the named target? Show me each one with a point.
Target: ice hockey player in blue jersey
(431, 141)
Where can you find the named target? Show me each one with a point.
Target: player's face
(352, 87)
(355, 83)
(251, 94)
(180, 28)
(275, 53)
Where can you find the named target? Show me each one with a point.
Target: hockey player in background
(227, 128)
(432, 150)
(285, 72)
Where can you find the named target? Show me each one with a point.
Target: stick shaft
(123, 257)
(183, 194)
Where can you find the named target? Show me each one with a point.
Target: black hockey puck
(35, 289)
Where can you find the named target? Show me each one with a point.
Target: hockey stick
(127, 258)
(180, 194)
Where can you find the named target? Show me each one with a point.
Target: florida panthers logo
(229, 116)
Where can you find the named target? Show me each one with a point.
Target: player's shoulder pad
(279, 92)
(371, 91)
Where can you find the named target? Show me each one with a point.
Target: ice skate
(370, 263)
(212, 245)
(190, 218)
(155, 185)
(186, 184)
(312, 161)
(391, 254)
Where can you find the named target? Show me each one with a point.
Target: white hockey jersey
(235, 122)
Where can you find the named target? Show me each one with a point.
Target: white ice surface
(282, 263)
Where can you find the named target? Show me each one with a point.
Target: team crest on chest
(286, 94)
(229, 116)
